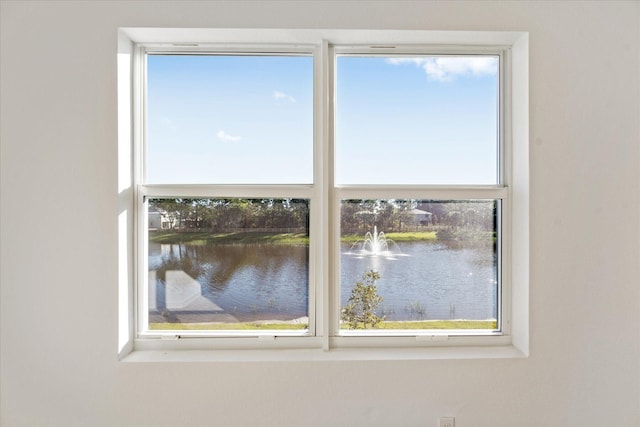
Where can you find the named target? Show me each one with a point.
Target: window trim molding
(513, 342)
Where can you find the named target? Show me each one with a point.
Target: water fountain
(375, 244)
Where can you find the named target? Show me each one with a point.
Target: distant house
(155, 220)
(421, 217)
(158, 220)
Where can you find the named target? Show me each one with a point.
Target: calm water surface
(247, 282)
(428, 281)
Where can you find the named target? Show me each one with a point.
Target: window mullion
(324, 164)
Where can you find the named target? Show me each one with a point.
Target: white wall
(59, 233)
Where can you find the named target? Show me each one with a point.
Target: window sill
(311, 350)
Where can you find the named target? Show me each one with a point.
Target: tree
(363, 302)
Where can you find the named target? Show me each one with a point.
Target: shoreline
(302, 323)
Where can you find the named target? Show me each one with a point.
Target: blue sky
(230, 119)
(249, 119)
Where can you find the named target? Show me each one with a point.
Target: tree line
(396, 215)
(231, 213)
(356, 216)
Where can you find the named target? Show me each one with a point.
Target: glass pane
(228, 263)
(229, 119)
(421, 264)
(417, 120)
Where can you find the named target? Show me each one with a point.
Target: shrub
(363, 302)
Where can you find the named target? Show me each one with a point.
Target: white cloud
(281, 96)
(447, 68)
(169, 123)
(223, 136)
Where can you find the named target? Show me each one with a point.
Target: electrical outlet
(446, 422)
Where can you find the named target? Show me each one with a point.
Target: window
(326, 193)
(227, 251)
(417, 122)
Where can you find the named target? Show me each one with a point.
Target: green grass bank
(247, 326)
(204, 237)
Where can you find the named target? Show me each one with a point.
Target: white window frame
(325, 340)
(499, 191)
(145, 191)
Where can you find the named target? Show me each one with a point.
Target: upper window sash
(261, 135)
(415, 51)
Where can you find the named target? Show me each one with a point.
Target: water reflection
(253, 282)
(236, 282)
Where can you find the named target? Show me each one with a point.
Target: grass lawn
(438, 324)
(247, 326)
(413, 236)
(242, 326)
(203, 238)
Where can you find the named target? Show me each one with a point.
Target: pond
(428, 281)
(252, 282)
